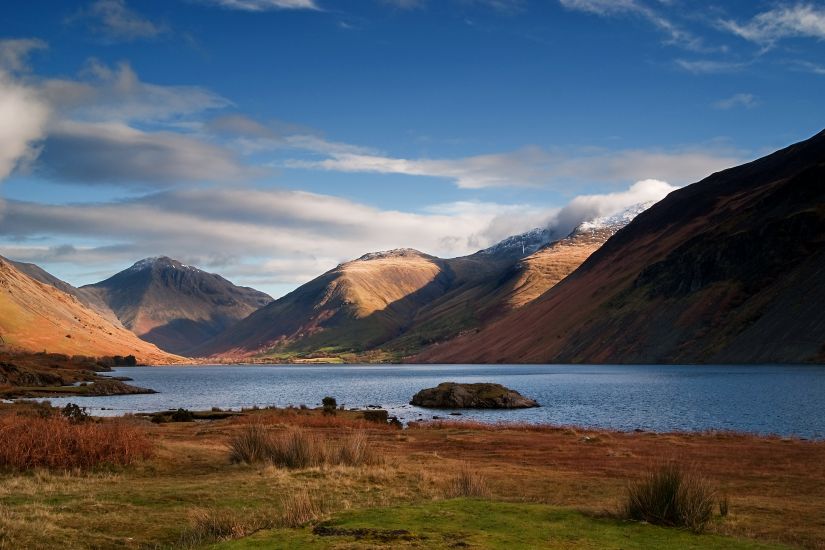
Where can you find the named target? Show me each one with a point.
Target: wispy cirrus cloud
(536, 167)
(742, 100)
(264, 5)
(614, 8)
(115, 21)
(801, 20)
(710, 66)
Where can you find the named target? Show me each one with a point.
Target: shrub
(75, 413)
(182, 415)
(672, 497)
(330, 404)
(58, 444)
(468, 483)
(377, 415)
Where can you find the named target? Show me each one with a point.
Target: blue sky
(269, 140)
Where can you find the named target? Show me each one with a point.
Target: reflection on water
(785, 400)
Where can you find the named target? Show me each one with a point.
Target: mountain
(172, 305)
(727, 270)
(397, 302)
(85, 297)
(35, 316)
(357, 305)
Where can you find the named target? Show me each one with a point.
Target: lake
(783, 400)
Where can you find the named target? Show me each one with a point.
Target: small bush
(672, 497)
(330, 405)
(75, 413)
(182, 415)
(379, 416)
(56, 443)
(468, 484)
(297, 449)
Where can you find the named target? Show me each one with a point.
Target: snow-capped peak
(614, 221)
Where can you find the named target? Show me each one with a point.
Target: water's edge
(783, 400)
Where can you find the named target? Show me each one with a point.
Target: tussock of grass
(56, 443)
(671, 496)
(297, 449)
(468, 483)
(299, 508)
(209, 525)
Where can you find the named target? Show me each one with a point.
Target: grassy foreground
(463, 523)
(538, 486)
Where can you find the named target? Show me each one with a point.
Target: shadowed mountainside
(729, 269)
(35, 317)
(173, 305)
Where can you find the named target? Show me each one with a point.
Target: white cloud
(14, 52)
(588, 207)
(801, 20)
(276, 236)
(265, 5)
(116, 21)
(612, 8)
(747, 101)
(108, 127)
(118, 94)
(23, 113)
(710, 66)
(537, 167)
(115, 153)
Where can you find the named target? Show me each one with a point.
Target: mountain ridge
(722, 270)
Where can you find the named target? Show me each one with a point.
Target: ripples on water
(784, 400)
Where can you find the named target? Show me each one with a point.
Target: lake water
(784, 400)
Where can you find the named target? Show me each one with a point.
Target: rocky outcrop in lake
(452, 395)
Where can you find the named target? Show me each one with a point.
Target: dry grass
(210, 525)
(300, 508)
(671, 496)
(776, 486)
(468, 483)
(55, 443)
(297, 448)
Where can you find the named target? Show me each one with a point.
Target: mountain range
(37, 316)
(729, 269)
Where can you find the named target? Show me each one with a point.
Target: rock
(452, 395)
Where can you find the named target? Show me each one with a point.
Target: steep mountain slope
(36, 317)
(400, 301)
(729, 269)
(173, 305)
(357, 305)
(86, 297)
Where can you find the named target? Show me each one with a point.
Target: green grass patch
(483, 524)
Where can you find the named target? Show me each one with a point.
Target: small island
(452, 395)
